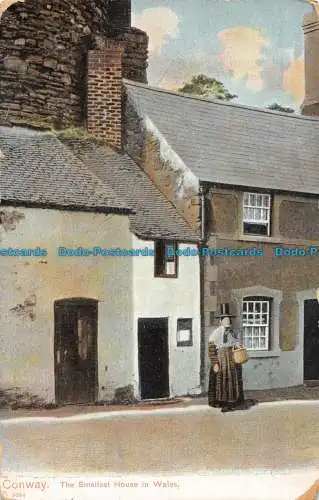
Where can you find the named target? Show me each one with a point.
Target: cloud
(294, 80)
(160, 23)
(242, 53)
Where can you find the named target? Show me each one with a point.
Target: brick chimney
(310, 105)
(104, 98)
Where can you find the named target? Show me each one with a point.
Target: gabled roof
(37, 169)
(154, 217)
(230, 144)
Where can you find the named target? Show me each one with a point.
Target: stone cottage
(248, 179)
(92, 307)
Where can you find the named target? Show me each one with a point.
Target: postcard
(159, 249)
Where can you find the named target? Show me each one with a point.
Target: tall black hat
(224, 311)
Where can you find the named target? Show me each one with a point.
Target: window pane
(159, 258)
(250, 318)
(169, 251)
(266, 200)
(170, 268)
(259, 200)
(184, 332)
(262, 342)
(265, 319)
(255, 343)
(256, 323)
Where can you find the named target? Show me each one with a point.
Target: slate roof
(37, 169)
(154, 217)
(230, 144)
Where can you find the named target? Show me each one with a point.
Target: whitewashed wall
(172, 299)
(27, 346)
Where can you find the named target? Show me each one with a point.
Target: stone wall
(144, 147)
(43, 58)
(135, 60)
(298, 219)
(29, 288)
(294, 224)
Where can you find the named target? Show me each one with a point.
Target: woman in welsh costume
(225, 380)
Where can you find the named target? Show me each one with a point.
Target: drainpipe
(202, 198)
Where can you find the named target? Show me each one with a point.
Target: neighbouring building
(90, 327)
(249, 180)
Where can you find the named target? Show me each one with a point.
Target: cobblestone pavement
(302, 392)
(297, 392)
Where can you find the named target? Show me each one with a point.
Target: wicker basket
(240, 355)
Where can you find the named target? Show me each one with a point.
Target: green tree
(202, 85)
(278, 107)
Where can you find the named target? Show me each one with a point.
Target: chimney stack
(104, 100)
(310, 105)
(120, 13)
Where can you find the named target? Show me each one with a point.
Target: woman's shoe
(227, 408)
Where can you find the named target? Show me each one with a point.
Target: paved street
(177, 440)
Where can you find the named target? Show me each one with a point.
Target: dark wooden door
(153, 358)
(75, 351)
(311, 340)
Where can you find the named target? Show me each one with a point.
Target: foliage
(278, 107)
(204, 86)
(71, 133)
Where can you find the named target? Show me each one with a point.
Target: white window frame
(238, 295)
(257, 209)
(256, 323)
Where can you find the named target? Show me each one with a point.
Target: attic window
(165, 259)
(256, 214)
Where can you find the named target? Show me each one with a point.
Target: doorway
(311, 339)
(75, 350)
(153, 358)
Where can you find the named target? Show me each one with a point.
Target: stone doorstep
(311, 383)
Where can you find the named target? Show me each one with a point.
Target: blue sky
(255, 47)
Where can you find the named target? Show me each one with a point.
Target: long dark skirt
(226, 386)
